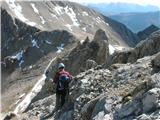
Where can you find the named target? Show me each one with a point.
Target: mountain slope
(51, 15)
(26, 51)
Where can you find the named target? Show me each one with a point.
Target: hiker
(61, 79)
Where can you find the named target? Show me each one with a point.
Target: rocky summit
(114, 78)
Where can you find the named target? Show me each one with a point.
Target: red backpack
(63, 81)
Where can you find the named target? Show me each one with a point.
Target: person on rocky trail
(61, 79)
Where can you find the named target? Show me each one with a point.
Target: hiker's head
(61, 66)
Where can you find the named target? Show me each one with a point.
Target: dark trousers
(61, 97)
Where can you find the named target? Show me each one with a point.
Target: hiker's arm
(70, 76)
(55, 78)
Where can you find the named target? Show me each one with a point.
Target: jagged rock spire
(100, 35)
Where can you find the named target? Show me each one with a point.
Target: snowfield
(17, 9)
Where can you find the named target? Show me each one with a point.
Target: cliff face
(147, 47)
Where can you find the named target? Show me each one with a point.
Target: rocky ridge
(91, 52)
(119, 91)
(123, 91)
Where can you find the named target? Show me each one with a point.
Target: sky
(141, 2)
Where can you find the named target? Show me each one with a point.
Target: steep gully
(22, 106)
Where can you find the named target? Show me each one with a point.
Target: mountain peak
(147, 31)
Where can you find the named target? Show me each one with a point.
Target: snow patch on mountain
(34, 43)
(69, 27)
(58, 9)
(69, 11)
(60, 48)
(17, 9)
(107, 24)
(18, 56)
(98, 19)
(111, 49)
(48, 42)
(34, 8)
(42, 20)
(84, 29)
(84, 13)
(53, 15)
(72, 15)
(20, 63)
(117, 47)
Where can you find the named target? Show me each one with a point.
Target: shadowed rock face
(147, 47)
(96, 50)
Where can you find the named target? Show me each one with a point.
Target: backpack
(63, 81)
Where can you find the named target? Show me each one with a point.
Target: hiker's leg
(58, 99)
(67, 95)
(63, 97)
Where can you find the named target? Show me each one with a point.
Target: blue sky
(140, 2)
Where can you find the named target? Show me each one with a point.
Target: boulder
(151, 100)
(90, 64)
(88, 109)
(156, 63)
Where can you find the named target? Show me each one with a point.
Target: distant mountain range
(135, 17)
(138, 21)
(116, 8)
